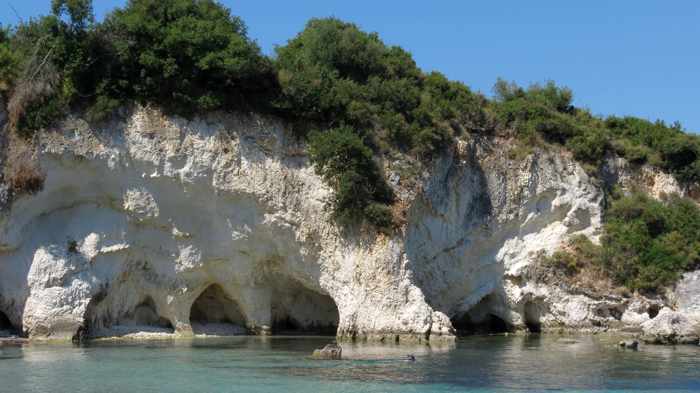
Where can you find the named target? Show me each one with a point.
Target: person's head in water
(411, 358)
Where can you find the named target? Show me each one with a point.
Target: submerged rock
(629, 344)
(13, 340)
(329, 352)
(671, 327)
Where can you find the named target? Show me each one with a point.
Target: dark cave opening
(533, 327)
(215, 312)
(466, 325)
(146, 314)
(101, 320)
(6, 326)
(482, 318)
(531, 314)
(653, 310)
(297, 310)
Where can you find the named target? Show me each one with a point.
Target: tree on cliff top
(188, 56)
(185, 56)
(336, 77)
(334, 73)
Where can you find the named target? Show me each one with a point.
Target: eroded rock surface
(156, 210)
(219, 226)
(671, 327)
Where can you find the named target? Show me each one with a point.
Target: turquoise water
(280, 364)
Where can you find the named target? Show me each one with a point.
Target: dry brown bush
(25, 93)
(22, 171)
(36, 82)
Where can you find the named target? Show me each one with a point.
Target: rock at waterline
(671, 327)
(12, 341)
(629, 344)
(329, 352)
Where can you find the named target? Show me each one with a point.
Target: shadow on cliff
(452, 210)
(457, 230)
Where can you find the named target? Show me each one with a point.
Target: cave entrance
(467, 325)
(6, 326)
(103, 320)
(216, 313)
(146, 314)
(531, 316)
(297, 310)
(482, 318)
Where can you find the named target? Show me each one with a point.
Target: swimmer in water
(410, 358)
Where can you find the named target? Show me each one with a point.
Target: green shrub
(187, 56)
(564, 261)
(379, 215)
(545, 114)
(646, 244)
(665, 146)
(182, 55)
(60, 62)
(193, 56)
(9, 61)
(537, 112)
(589, 146)
(333, 73)
(649, 243)
(40, 114)
(346, 163)
(580, 252)
(634, 153)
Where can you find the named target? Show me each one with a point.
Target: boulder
(671, 327)
(629, 344)
(329, 352)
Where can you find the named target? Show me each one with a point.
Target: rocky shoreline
(172, 224)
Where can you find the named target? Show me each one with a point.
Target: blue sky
(625, 57)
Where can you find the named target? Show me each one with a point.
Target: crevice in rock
(217, 313)
(653, 310)
(299, 310)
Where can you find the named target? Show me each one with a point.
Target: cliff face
(214, 225)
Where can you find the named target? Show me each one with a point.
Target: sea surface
(282, 364)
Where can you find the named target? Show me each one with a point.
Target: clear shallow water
(250, 364)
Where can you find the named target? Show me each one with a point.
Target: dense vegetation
(373, 98)
(545, 114)
(186, 56)
(355, 99)
(646, 243)
(190, 57)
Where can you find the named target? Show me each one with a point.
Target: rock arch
(215, 312)
(146, 314)
(106, 317)
(296, 309)
(490, 324)
(482, 318)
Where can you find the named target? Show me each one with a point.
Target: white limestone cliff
(164, 225)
